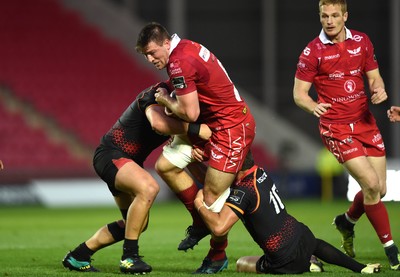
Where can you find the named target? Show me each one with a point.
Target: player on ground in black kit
(118, 161)
(288, 244)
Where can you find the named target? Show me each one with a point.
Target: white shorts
(178, 152)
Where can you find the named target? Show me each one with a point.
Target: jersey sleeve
(239, 200)
(370, 60)
(307, 66)
(183, 78)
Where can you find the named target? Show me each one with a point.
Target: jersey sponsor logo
(215, 156)
(357, 38)
(355, 71)
(355, 51)
(349, 98)
(347, 152)
(350, 86)
(262, 178)
(376, 138)
(237, 196)
(175, 67)
(301, 65)
(332, 57)
(204, 53)
(179, 82)
(337, 75)
(236, 152)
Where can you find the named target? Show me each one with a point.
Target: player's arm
(218, 223)
(185, 106)
(167, 125)
(303, 99)
(376, 86)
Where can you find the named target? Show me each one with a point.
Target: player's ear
(345, 16)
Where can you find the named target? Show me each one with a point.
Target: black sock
(131, 248)
(82, 252)
(332, 255)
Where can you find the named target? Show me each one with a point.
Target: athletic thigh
(106, 161)
(216, 182)
(134, 180)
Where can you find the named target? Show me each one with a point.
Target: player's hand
(321, 109)
(394, 113)
(198, 154)
(378, 96)
(199, 200)
(1, 165)
(161, 96)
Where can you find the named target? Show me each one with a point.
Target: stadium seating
(68, 71)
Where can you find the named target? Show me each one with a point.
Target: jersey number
(276, 200)
(205, 55)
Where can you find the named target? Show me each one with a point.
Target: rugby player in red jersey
(204, 94)
(336, 62)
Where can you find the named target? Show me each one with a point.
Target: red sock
(378, 216)
(356, 209)
(217, 249)
(187, 197)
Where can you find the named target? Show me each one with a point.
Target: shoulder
(359, 37)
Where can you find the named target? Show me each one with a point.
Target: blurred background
(68, 69)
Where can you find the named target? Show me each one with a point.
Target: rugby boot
(346, 229)
(73, 264)
(134, 265)
(193, 236)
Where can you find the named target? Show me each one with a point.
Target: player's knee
(117, 230)
(149, 190)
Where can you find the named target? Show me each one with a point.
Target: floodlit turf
(33, 240)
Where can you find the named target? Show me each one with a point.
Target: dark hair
(248, 161)
(153, 31)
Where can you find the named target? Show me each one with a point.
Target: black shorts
(300, 258)
(104, 166)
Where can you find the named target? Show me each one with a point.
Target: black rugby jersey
(132, 133)
(255, 200)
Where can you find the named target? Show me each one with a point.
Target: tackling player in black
(288, 244)
(118, 161)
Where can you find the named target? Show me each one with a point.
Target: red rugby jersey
(192, 67)
(337, 70)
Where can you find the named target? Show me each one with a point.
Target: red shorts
(348, 141)
(227, 148)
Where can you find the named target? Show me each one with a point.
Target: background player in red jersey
(118, 160)
(288, 244)
(394, 113)
(336, 62)
(205, 94)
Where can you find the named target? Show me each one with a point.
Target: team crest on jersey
(179, 82)
(349, 86)
(354, 52)
(236, 196)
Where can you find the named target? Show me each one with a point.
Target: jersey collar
(175, 39)
(325, 40)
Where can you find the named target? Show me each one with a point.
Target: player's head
(154, 43)
(333, 16)
(341, 3)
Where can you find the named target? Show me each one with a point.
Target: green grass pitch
(33, 240)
